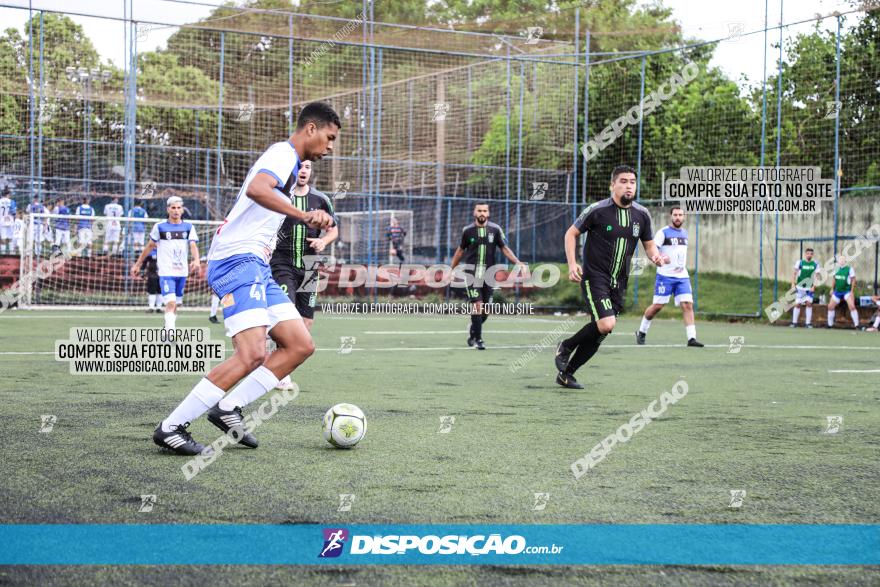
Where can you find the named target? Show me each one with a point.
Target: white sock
(795, 314)
(831, 318)
(855, 317)
(877, 322)
(170, 319)
(645, 325)
(215, 303)
(253, 387)
(151, 301)
(202, 398)
(809, 315)
(691, 331)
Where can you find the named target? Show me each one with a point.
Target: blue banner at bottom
(654, 544)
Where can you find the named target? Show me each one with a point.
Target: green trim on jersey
(806, 270)
(299, 232)
(481, 253)
(841, 280)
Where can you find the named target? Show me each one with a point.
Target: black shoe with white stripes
(232, 420)
(179, 441)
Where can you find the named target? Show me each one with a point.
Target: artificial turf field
(752, 420)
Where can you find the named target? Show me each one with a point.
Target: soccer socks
(151, 301)
(795, 314)
(202, 398)
(645, 325)
(583, 354)
(831, 318)
(691, 331)
(476, 326)
(170, 320)
(586, 335)
(877, 322)
(809, 319)
(251, 388)
(215, 303)
(855, 317)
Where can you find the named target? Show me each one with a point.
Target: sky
(699, 19)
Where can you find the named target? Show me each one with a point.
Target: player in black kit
(477, 248)
(613, 228)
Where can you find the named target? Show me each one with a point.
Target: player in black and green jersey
(613, 228)
(477, 249)
(802, 281)
(844, 289)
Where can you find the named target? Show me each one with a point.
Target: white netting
(71, 260)
(364, 237)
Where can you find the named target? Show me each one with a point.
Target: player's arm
(261, 190)
(571, 237)
(508, 252)
(456, 257)
(195, 265)
(795, 273)
(331, 233)
(653, 252)
(136, 268)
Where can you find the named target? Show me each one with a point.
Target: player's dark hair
(320, 113)
(674, 208)
(486, 204)
(808, 250)
(621, 169)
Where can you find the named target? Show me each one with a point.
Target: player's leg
(661, 298)
(168, 285)
(290, 281)
(808, 321)
(853, 313)
(293, 346)
(475, 333)
(480, 314)
(574, 352)
(832, 305)
(684, 297)
(215, 304)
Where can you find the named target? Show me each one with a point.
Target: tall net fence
(437, 120)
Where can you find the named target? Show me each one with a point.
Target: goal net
(367, 237)
(85, 261)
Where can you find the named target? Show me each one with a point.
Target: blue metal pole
(763, 140)
(220, 121)
(586, 114)
(31, 92)
(507, 149)
(778, 155)
(577, 89)
(290, 74)
(639, 168)
(837, 137)
(40, 117)
(370, 157)
(379, 146)
(519, 156)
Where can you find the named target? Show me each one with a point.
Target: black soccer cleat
(563, 354)
(640, 337)
(213, 320)
(695, 343)
(179, 441)
(568, 381)
(479, 344)
(471, 341)
(232, 420)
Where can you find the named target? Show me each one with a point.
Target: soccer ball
(344, 425)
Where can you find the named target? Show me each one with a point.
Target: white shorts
(837, 299)
(84, 236)
(48, 235)
(112, 235)
(36, 232)
(803, 295)
(62, 237)
(260, 317)
(6, 231)
(138, 238)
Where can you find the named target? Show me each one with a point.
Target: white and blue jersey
(672, 278)
(7, 217)
(36, 208)
(84, 210)
(238, 261)
(137, 212)
(172, 242)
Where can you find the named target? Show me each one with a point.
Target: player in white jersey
(672, 278)
(7, 220)
(18, 233)
(111, 238)
(238, 272)
(173, 238)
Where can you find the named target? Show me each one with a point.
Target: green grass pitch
(752, 420)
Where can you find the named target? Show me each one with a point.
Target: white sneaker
(286, 384)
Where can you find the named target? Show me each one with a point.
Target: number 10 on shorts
(605, 303)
